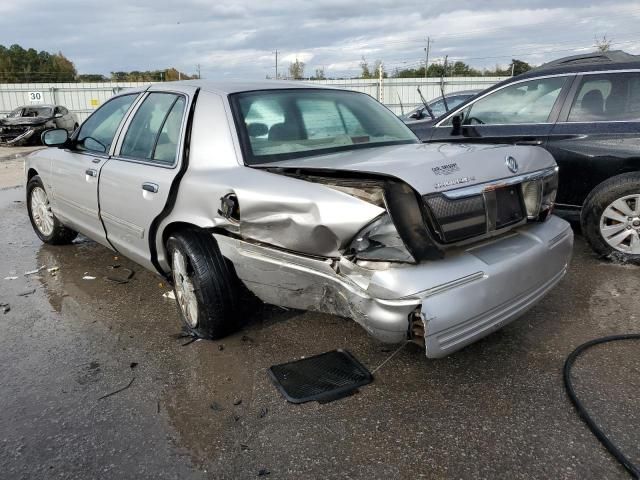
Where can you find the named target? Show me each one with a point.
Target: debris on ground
(263, 472)
(237, 401)
(34, 271)
(263, 412)
(120, 279)
(88, 277)
(5, 307)
(244, 447)
(133, 365)
(220, 347)
(119, 390)
(27, 292)
(170, 295)
(53, 270)
(10, 278)
(246, 338)
(216, 407)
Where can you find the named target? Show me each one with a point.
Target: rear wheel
(206, 289)
(44, 222)
(611, 218)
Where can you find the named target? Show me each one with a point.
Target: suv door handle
(91, 172)
(150, 187)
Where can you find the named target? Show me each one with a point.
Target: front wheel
(44, 222)
(206, 289)
(610, 218)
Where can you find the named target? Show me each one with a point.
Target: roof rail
(613, 56)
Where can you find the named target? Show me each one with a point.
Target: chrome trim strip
(504, 182)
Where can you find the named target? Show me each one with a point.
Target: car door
(75, 170)
(135, 184)
(597, 134)
(521, 112)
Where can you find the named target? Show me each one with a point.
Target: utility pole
(380, 77)
(426, 56)
(198, 70)
(276, 52)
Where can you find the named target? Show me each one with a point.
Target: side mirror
(55, 137)
(456, 122)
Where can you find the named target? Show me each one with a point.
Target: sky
(237, 39)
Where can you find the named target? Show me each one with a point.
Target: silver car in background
(311, 198)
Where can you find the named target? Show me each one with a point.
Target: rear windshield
(276, 125)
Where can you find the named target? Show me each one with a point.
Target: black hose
(597, 431)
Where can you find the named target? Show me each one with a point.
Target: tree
(20, 65)
(319, 74)
(602, 44)
(92, 77)
(518, 66)
(364, 66)
(296, 70)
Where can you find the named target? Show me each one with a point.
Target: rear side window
(97, 132)
(524, 102)
(607, 97)
(154, 132)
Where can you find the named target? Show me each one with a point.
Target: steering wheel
(470, 121)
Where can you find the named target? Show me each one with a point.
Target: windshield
(31, 112)
(278, 125)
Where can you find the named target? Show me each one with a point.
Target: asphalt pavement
(496, 409)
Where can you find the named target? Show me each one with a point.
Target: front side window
(524, 102)
(282, 124)
(97, 132)
(154, 132)
(607, 97)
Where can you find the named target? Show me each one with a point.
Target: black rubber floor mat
(323, 378)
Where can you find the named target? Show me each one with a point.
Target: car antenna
(446, 105)
(426, 107)
(401, 106)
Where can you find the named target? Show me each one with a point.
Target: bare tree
(296, 70)
(602, 44)
(364, 66)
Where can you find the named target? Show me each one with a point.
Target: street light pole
(426, 56)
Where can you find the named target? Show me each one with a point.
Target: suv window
(607, 97)
(154, 132)
(97, 132)
(524, 102)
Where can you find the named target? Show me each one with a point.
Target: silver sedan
(311, 198)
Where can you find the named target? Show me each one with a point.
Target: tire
(207, 296)
(44, 222)
(610, 218)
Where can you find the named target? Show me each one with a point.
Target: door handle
(150, 187)
(91, 172)
(532, 141)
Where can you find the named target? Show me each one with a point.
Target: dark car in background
(583, 109)
(25, 124)
(438, 106)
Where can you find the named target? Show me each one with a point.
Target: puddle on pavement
(201, 381)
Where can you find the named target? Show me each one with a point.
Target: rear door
(598, 133)
(75, 171)
(135, 184)
(521, 112)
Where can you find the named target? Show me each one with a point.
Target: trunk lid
(431, 167)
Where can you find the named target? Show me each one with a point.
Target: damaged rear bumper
(459, 299)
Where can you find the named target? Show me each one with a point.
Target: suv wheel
(205, 288)
(44, 222)
(611, 218)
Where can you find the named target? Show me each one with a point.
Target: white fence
(79, 98)
(398, 93)
(84, 98)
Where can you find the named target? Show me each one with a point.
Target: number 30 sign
(35, 97)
